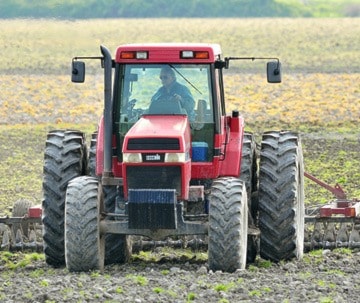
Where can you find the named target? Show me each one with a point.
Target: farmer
(172, 90)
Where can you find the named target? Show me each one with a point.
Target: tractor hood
(168, 133)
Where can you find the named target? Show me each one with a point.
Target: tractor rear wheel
(65, 158)
(84, 246)
(281, 196)
(228, 225)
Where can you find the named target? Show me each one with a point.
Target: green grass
(47, 46)
(224, 287)
(191, 297)
(14, 261)
(137, 279)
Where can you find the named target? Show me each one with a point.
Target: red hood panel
(150, 126)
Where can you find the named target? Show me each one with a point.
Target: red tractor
(167, 161)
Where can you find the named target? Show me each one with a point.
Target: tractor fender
(230, 165)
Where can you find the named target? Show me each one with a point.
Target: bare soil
(324, 276)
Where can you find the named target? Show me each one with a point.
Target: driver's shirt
(187, 100)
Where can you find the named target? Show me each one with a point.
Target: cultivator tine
(342, 237)
(354, 239)
(323, 236)
(5, 243)
(19, 242)
(32, 236)
(316, 239)
(329, 235)
(329, 239)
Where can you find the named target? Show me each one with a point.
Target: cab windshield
(161, 89)
(166, 89)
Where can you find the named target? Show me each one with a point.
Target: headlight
(132, 157)
(175, 157)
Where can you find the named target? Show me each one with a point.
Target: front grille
(155, 177)
(153, 144)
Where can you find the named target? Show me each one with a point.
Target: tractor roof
(168, 53)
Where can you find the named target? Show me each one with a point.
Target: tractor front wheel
(84, 246)
(228, 225)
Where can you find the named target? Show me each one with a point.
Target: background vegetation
(319, 96)
(184, 8)
(303, 45)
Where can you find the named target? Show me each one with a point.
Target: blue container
(199, 151)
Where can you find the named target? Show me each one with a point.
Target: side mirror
(77, 71)
(274, 72)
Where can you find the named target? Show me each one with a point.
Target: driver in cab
(172, 91)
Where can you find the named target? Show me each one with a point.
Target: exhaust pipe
(108, 118)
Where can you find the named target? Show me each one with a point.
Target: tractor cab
(140, 95)
(183, 84)
(167, 115)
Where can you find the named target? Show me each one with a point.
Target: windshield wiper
(182, 76)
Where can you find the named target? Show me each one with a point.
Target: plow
(22, 231)
(335, 224)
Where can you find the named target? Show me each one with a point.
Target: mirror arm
(227, 60)
(88, 58)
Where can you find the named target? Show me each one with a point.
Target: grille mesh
(156, 177)
(153, 144)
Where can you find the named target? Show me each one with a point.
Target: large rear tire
(228, 225)
(84, 245)
(65, 158)
(281, 196)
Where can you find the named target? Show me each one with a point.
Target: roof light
(201, 55)
(194, 54)
(127, 55)
(141, 55)
(187, 54)
(134, 55)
